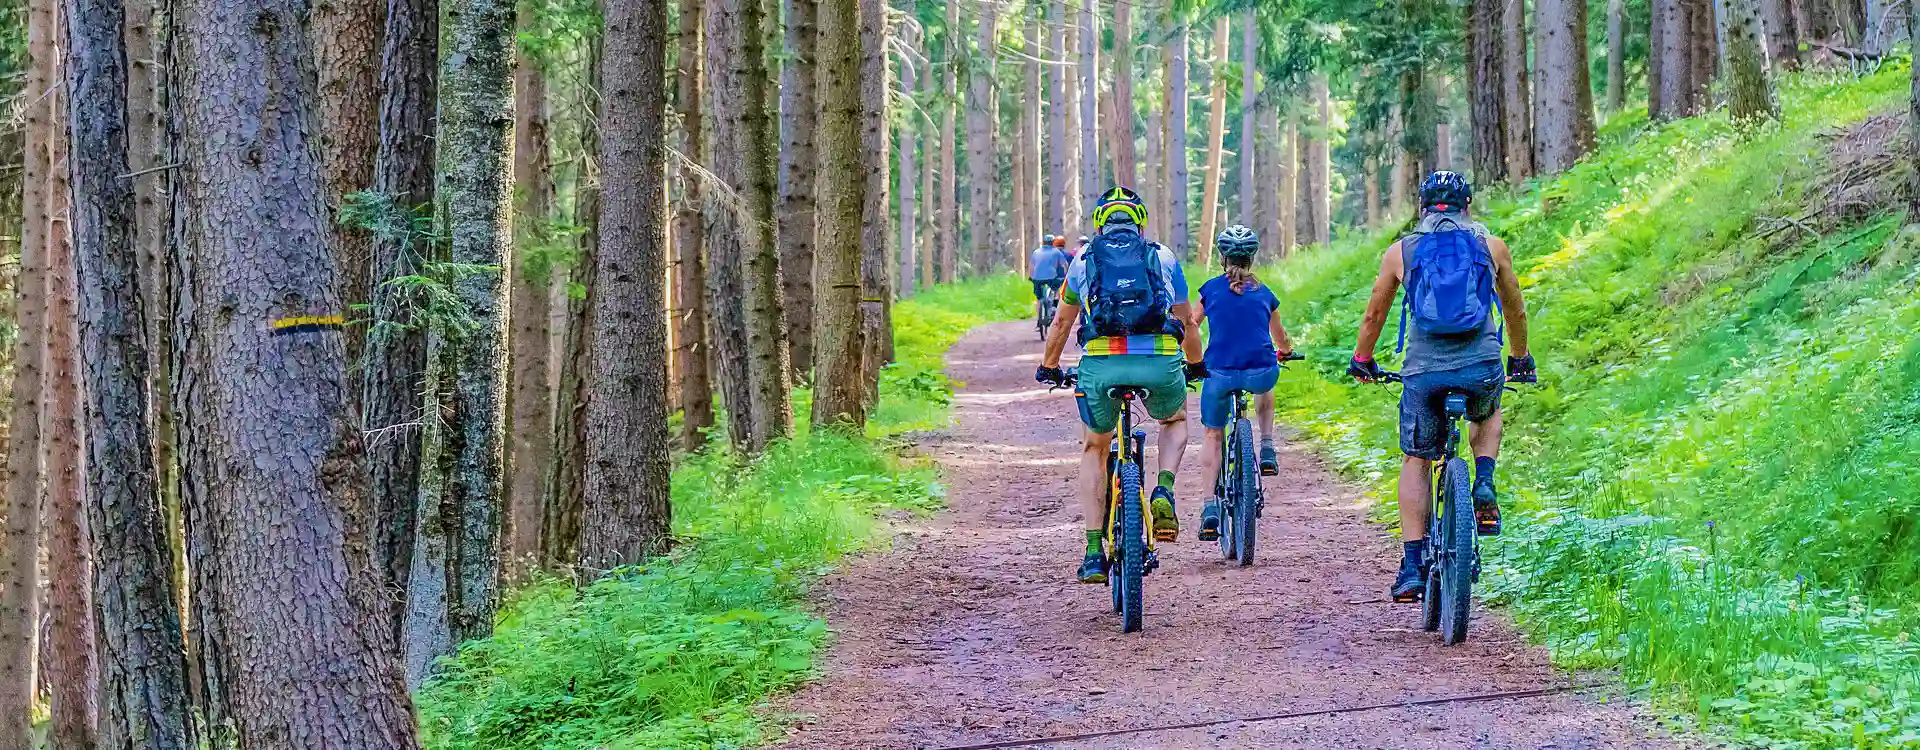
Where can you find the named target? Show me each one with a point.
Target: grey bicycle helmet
(1237, 241)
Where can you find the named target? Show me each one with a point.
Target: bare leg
(1264, 404)
(1416, 494)
(1485, 436)
(1093, 480)
(1210, 459)
(1173, 442)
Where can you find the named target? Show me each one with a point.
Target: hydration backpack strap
(1406, 292)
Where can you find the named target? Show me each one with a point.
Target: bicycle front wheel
(1247, 494)
(1456, 553)
(1132, 545)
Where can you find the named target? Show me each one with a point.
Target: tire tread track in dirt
(970, 628)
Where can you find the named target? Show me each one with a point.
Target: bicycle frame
(1130, 446)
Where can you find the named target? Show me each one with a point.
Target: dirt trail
(972, 630)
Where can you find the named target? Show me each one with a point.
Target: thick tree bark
(147, 148)
(1673, 50)
(1178, 231)
(566, 508)
(1317, 152)
(876, 297)
(1216, 142)
(843, 186)
(1272, 164)
(1750, 93)
(1249, 115)
(1399, 185)
(1913, 118)
(20, 551)
(530, 402)
(910, 171)
(748, 162)
(139, 637)
(1564, 127)
(1059, 84)
(1486, 98)
(286, 605)
(929, 152)
(981, 174)
(392, 378)
(689, 237)
(1705, 55)
(348, 58)
(1088, 30)
(1617, 54)
(947, 239)
(1783, 44)
(627, 512)
(1290, 152)
(794, 215)
(1125, 158)
(1518, 102)
(453, 590)
(735, 301)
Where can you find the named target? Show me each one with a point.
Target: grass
(680, 652)
(1713, 489)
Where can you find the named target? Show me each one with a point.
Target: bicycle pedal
(1166, 536)
(1269, 472)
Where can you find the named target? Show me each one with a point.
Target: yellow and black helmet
(1120, 205)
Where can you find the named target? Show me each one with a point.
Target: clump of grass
(1713, 486)
(679, 652)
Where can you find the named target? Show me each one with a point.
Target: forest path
(971, 629)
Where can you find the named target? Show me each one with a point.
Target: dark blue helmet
(1444, 188)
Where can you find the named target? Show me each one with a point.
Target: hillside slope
(1715, 481)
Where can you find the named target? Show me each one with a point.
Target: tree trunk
(947, 239)
(1370, 173)
(981, 174)
(689, 236)
(1249, 114)
(1088, 112)
(838, 351)
(137, 603)
(1216, 142)
(876, 298)
(1783, 45)
(794, 228)
(627, 511)
(1125, 159)
(1398, 180)
(1486, 101)
(929, 151)
(1564, 124)
(1416, 142)
(1272, 161)
(1704, 56)
(726, 244)
(139, 636)
(1153, 188)
(1178, 232)
(147, 149)
(1029, 143)
(284, 595)
(348, 58)
(1060, 82)
(1442, 123)
(531, 399)
(1667, 67)
(20, 551)
(566, 507)
(744, 156)
(1290, 156)
(1319, 157)
(1617, 54)
(1913, 119)
(1750, 95)
(452, 593)
(1517, 106)
(910, 171)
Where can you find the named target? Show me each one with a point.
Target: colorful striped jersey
(1155, 343)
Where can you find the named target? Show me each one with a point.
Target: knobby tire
(1247, 495)
(1133, 548)
(1456, 574)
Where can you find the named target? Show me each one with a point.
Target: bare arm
(1507, 284)
(1282, 343)
(1057, 334)
(1384, 287)
(1189, 343)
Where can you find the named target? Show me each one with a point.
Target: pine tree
(794, 214)
(689, 236)
(530, 400)
(838, 350)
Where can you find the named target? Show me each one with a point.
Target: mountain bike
(1129, 545)
(1238, 485)
(1452, 559)
(1049, 306)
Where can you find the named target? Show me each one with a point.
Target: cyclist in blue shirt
(1047, 269)
(1245, 343)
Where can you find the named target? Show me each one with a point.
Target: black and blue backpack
(1126, 288)
(1449, 281)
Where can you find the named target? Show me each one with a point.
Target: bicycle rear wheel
(1131, 542)
(1456, 553)
(1247, 494)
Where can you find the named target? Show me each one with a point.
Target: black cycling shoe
(1210, 521)
(1411, 584)
(1269, 460)
(1093, 568)
(1486, 508)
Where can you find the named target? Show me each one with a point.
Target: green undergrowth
(679, 653)
(1714, 487)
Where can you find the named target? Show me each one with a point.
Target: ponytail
(1240, 276)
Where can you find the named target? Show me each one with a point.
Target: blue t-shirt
(1048, 263)
(1237, 333)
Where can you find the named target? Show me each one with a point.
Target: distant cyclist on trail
(1453, 271)
(1047, 269)
(1130, 298)
(1245, 343)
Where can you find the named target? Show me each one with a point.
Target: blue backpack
(1449, 279)
(1126, 288)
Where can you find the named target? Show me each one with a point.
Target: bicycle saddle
(1124, 391)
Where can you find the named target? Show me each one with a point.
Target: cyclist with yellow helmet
(1129, 296)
